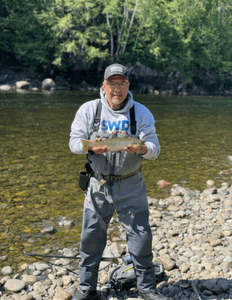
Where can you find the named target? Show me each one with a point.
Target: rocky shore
(192, 238)
(143, 80)
(11, 80)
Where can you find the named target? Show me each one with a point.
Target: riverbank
(143, 80)
(192, 238)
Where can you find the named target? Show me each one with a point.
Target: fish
(114, 144)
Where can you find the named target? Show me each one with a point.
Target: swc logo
(108, 126)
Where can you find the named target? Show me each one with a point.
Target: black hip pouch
(83, 180)
(84, 177)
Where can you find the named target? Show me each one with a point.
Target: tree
(174, 35)
(189, 35)
(120, 17)
(79, 31)
(25, 33)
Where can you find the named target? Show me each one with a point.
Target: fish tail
(85, 145)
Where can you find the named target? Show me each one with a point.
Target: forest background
(193, 38)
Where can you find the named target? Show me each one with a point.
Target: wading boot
(86, 295)
(153, 296)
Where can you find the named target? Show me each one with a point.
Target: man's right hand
(98, 149)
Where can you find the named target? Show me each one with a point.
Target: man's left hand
(135, 149)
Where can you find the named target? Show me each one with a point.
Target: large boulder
(22, 84)
(5, 87)
(48, 83)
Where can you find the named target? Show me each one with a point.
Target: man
(127, 195)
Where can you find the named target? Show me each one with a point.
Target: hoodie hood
(129, 102)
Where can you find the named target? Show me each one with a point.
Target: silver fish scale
(116, 144)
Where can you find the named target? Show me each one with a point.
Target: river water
(38, 173)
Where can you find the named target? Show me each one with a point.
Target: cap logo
(116, 69)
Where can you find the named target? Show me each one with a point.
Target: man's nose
(116, 86)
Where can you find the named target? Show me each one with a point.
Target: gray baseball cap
(116, 69)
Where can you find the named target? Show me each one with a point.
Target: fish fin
(85, 145)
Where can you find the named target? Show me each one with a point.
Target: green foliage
(23, 33)
(176, 35)
(79, 31)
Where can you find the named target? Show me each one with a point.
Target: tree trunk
(111, 37)
(125, 18)
(131, 22)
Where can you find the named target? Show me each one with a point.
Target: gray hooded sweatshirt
(114, 123)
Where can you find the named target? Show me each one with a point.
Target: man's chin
(116, 100)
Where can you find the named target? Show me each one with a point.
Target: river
(38, 173)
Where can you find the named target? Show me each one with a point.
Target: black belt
(116, 178)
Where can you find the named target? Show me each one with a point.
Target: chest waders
(128, 198)
(84, 176)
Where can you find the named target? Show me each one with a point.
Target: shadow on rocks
(210, 289)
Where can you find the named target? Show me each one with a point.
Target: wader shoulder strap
(97, 118)
(132, 120)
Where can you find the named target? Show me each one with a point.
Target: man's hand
(135, 149)
(98, 149)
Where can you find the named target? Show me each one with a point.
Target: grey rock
(58, 282)
(62, 272)
(61, 294)
(207, 293)
(16, 297)
(51, 292)
(26, 297)
(179, 191)
(4, 280)
(71, 290)
(225, 185)
(223, 284)
(188, 253)
(36, 273)
(29, 279)
(66, 223)
(36, 295)
(210, 183)
(49, 229)
(209, 191)
(40, 288)
(223, 192)
(173, 291)
(211, 286)
(165, 291)
(167, 262)
(210, 216)
(3, 257)
(14, 285)
(5, 87)
(7, 270)
(42, 266)
(16, 276)
(229, 158)
(116, 249)
(31, 268)
(22, 85)
(213, 297)
(48, 83)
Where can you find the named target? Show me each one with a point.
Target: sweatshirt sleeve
(82, 126)
(147, 133)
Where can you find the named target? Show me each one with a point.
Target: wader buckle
(113, 178)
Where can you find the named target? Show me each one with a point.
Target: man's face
(116, 88)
